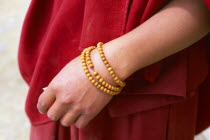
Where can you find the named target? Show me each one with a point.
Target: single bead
(118, 81)
(113, 75)
(108, 91)
(86, 71)
(111, 92)
(111, 72)
(101, 80)
(82, 58)
(99, 49)
(95, 73)
(102, 88)
(103, 58)
(123, 84)
(116, 78)
(89, 62)
(91, 78)
(98, 77)
(105, 89)
(96, 84)
(84, 64)
(117, 89)
(103, 83)
(101, 52)
(105, 62)
(83, 61)
(91, 65)
(110, 87)
(109, 69)
(107, 65)
(106, 85)
(88, 58)
(100, 43)
(85, 68)
(88, 74)
(102, 55)
(114, 88)
(93, 81)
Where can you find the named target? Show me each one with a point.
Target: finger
(57, 110)
(45, 100)
(70, 117)
(82, 121)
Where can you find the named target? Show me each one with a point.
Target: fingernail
(44, 88)
(41, 112)
(38, 109)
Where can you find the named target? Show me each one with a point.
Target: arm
(175, 27)
(76, 101)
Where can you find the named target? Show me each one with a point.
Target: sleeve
(207, 2)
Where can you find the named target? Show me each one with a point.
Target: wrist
(100, 67)
(118, 61)
(112, 56)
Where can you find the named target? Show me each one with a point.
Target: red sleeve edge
(207, 2)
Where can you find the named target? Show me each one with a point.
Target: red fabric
(172, 122)
(207, 2)
(55, 32)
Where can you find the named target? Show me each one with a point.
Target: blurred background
(14, 124)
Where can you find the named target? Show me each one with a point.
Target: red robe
(166, 100)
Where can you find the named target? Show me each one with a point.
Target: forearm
(175, 27)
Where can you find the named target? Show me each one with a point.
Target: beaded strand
(109, 68)
(101, 84)
(98, 77)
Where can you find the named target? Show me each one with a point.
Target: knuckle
(64, 101)
(65, 124)
(42, 104)
(89, 112)
(79, 124)
(77, 108)
(54, 87)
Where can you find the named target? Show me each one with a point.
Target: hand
(73, 98)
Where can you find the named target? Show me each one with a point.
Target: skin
(75, 101)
